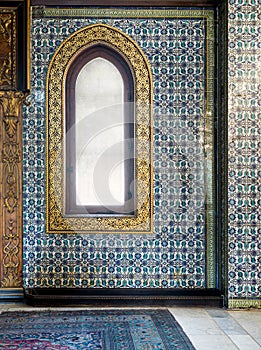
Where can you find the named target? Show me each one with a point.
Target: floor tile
(250, 320)
(226, 322)
(213, 342)
(244, 342)
(196, 321)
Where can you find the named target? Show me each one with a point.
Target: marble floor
(220, 329)
(208, 328)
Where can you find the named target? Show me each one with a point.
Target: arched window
(100, 159)
(99, 135)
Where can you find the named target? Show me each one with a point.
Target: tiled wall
(175, 254)
(244, 146)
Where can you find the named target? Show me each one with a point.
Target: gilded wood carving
(7, 49)
(11, 189)
(14, 85)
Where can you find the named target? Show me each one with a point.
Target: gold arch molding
(56, 220)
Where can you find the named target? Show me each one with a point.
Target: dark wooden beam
(126, 3)
(121, 297)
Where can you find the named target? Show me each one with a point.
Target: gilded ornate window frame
(56, 221)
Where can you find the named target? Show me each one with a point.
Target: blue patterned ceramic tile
(244, 185)
(174, 256)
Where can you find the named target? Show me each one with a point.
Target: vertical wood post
(14, 86)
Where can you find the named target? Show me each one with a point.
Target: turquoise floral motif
(174, 256)
(244, 170)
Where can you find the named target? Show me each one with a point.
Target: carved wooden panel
(14, 85)
(8, 49)
(11, 189)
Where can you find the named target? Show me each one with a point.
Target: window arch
(100, 160)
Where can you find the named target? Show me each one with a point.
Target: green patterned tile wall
(244, 146)
(179, 46)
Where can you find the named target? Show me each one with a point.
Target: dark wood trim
(221, 149)
(127, 3)
(123, 297)
(23, 35)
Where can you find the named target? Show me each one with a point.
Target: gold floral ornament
(11, 188)
(57, 221)
(7, 49)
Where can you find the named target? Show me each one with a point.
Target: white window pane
(99, 131)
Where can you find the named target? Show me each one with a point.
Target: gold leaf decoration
(11, 189)
(7, 49)
(133, 55)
